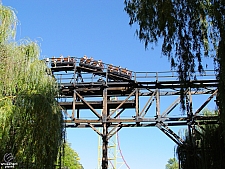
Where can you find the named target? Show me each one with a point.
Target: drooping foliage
(70, 158)
(30, 119)
(190, 30)
(205, 150)
(8, 24)
(172, 164)
(208, 150)
(182, 26)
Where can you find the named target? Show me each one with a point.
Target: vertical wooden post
(105, 131)
(74, 102)
(105, 147)
(137, 103)
(74, 92)
(189, 115)
(157, 97)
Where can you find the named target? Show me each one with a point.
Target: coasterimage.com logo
(8, 161)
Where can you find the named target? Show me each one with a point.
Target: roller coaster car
(117, 73)
(125, 73)
(90, 65)
(58, 62)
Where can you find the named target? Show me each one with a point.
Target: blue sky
(99, 29)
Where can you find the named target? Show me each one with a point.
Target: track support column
(105, 131)
(157, 98)
(137, 103)
(105, 147)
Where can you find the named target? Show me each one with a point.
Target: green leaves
(30, 119)
(183, 26)
(190, 30)
(8, 24)
(205, 148)
(71, 158)
(172, 164)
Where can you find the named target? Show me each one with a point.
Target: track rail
(85, 92)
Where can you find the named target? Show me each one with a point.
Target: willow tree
(70, 159)
(30, 119)
(172, 164)
(209, 147)
(189, 31)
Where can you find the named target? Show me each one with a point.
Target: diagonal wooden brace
(121, 103)
(91, 108)
(205, 103)
(149, 102)
(179, 141)
(114, 131)
(95, 129)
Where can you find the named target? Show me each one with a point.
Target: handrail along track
(90, 85)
